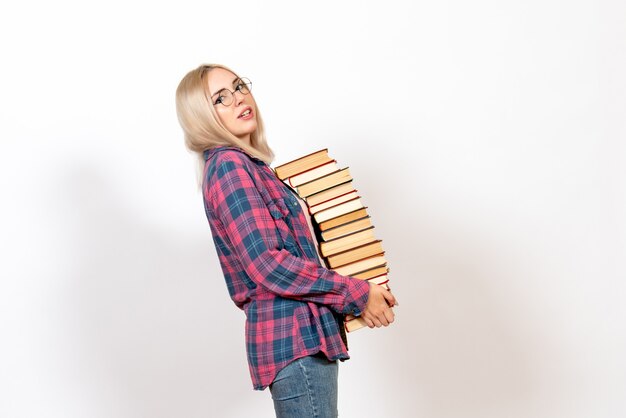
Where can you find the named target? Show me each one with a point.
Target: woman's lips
(246, 114)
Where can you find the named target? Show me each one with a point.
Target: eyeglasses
(226, 96)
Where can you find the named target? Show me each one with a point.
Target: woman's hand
(378, 312)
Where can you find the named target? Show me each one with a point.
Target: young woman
(293, 304)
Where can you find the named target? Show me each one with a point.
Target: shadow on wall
(155, 331)
(466, 352)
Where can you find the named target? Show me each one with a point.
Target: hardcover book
(313, 173)
(324, 182)
(373, 272)
(340, 220)
(302, 164)
(328, 248)
(328, 194)
(355, 254)
(333, 202)
(338, 210)
(347, 228)
(361, 266)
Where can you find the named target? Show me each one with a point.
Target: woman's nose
(238, 96)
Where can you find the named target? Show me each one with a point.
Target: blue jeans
(306, 387)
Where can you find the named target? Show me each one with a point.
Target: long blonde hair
(203, 129)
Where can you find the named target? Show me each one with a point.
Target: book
(355, 254)
(324, 182)
(374, 272)
(347, 228)
(381, 280)
(313, 173)
(332, 202)
(338, 210)
(330, 193)
(362, 265)
(340, 220)
(354, 323)
(302, 164)
(328, 248)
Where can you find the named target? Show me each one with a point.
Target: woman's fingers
(380, 319)
(389, 315)
(390, 298)
(378, 312)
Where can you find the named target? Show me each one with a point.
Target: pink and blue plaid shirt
(294, 306)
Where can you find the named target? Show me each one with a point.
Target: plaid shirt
(294, 306)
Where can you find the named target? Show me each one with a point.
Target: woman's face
(240, 116)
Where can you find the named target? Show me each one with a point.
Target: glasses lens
(227, 97)
(246, 84)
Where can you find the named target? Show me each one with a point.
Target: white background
(486, 137)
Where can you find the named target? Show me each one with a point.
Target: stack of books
(343, 227)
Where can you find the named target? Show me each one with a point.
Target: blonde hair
(203, 129)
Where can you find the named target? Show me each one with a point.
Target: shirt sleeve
(236, 203)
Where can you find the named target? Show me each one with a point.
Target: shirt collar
(210, 152)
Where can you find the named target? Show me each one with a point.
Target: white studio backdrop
(487, 139)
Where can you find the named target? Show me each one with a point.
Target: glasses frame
(242, 80)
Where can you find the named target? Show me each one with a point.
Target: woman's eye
(240, 87)
(219, 100)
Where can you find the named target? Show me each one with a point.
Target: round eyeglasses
(225, 96)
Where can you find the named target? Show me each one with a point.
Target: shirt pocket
(283, 211)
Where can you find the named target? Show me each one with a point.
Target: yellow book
(362, 265)
(368, 274)
(333, 202)
(347, 242)
(345, 229)
(355, 254)
(340, 220)
(338, 210)
(328, 194)
(324, 182)
(302, 164)
(313, 174)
